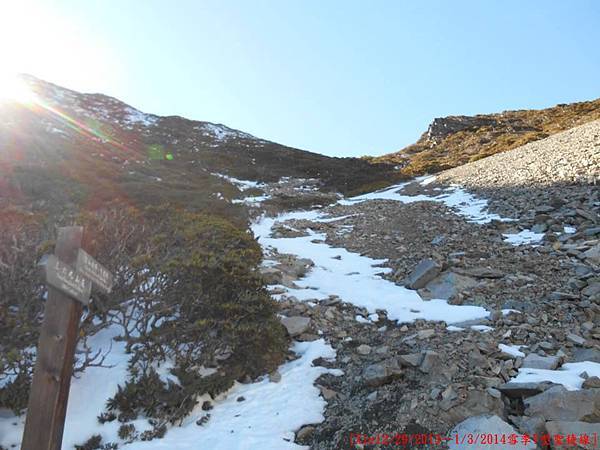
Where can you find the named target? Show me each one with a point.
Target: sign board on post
(69, 288)
(92, 269)
(67, 280)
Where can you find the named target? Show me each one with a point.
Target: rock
(578, 340)
(363, 349)
(423, 273)
(275, 377)
(483, 272)
(586, 354)
(557, 295)
(535, 361)
(410, 360)
(271, 275)
(530, 425)
(295, 267)
(431, 362)
(579, 429)
(591, 383)
(425, 334)
(295, 325)
(523, 390)
(559, 404)
(591, 290)
(447, 285)
(381, 373)
(494, 392)
(327, 393)
(593, 254)
(496, 315)
(305, 433)
(485, 425)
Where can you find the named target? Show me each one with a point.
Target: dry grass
(513, 129)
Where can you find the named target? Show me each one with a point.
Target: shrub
(192, 296)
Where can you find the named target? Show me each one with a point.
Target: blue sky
(343, 78)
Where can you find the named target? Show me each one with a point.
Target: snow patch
(512, 350)
(569, 375)
(525, 237)
(355, 278)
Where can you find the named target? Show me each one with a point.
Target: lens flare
(14, 89)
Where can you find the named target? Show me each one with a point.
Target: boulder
(271, 275)
(579, 429)
(381, 373)
(591, 289)
(593, 254)
(410, 360)
(423, 273)
(557, 403)
(591, 383)
(295, 325)
(535, 361)
(483, 272)
(575, 339)
(586, 354)
(482, 426)
(523, 390)
(447, 285)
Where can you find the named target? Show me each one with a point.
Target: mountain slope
(73, 147)
(455, 140)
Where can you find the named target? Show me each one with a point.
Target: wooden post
(54, 364)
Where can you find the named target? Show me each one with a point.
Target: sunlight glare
(14, 89)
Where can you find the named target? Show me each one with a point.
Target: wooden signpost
(70, 273)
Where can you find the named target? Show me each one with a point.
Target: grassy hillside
(456, 140)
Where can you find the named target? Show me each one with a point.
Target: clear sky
(339, 77)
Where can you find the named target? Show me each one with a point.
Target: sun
(14, 89)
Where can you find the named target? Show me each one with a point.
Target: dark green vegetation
(456, 140)
(187, 294)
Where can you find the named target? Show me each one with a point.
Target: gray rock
(591, 383)
(557, 295)
(431, 362)
(485, 424)
(271, 275)
(524, 390)
(423, 273)
(305, 433)
(410, 360)
(381, 373)
(578, 340)
(591, 290)
(426, 333)
(363, 349)
(535, 361)
(577, 428)
(295, 325)
(477, 402)
(327, 393)
(275, 377)
(559, 404)
(447, 285)
(586, 354)
(530, 425)
(593, 254)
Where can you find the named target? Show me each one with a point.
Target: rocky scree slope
(532, 366)
(455, 140)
